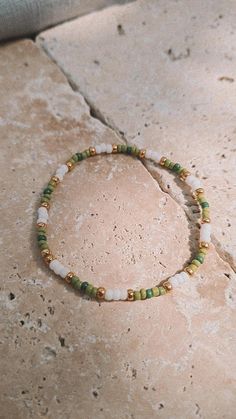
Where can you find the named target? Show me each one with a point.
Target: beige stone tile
(63, 355)
(163, 73)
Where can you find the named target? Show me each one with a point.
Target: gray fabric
(24, 17)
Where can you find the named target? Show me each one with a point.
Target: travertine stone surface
(63, 356)
(163, 73)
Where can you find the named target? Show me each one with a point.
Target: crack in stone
(97, 114)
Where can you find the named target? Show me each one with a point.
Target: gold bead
(92, 151)
(199, 190)
(163, 160)
(205, 220)
(69, 277)
(167, 285)
(100, 294)
(204, 244)
(55, 179)
(69, 165)
(189, 270)
(130, 295)
(45, 205)
(184, 174)
(45, 252)
(142, 153)
(42, 225)
(48, 258)
(114, 148)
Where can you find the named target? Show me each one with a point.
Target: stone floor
(160, 75)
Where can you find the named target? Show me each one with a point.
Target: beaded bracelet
(101, 293)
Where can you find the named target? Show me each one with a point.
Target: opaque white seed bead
(154, 155)
(116, 294)
(193, 182)
(205, 232)
(103, 148)
(98, 149)
(56, 266)
(109, 295)
(109, 148)
(60, 176)
(64, 271)
(43, 213)
(63, 169)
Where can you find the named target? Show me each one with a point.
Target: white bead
(42, 220)
(43, 213)
(109, 295)
(123, 294)
(116, 294)
(62, 170)
(60, 176)
(109, 148)
(178, 279)
(156, 156)
(205, 233)
(64, 271)
(98, 149)
(193, 182)
(103, 148)
(148, 154)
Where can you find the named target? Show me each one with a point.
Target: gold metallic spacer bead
(189, 270)
(55, 179)
(100, 294)
(199, 190)
(92, 151)
(42, 225)
(142, 153)
(162, 161)
(114, 148)
(69, 277)
(130, 294)
(204, 244)
(45, 205)
(69, 165)
(45, 252)
(167, 285)
(184, 174)
(205, 220)
(48, 258)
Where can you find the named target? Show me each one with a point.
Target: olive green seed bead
(87, 152)
(149, 293)
(196, 262)
(119, 148)
(84, 154)
(143, 294)
(51, 187)
(155, 291)
(171, 165)
(41, 230)
(47, 196)
(136, 152)
(94, 292)
(193, 267)
(75, 158)
(43, 246)
(79, 156)
(129, 149)
(162, 290)
(75, 281)
(123, 148)
(203, 250)
(89, 289)
(41, 237)
(44, 199)
(167, 163)
(137, 295)
(201, 199)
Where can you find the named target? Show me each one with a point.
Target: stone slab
(62, 355)
(163, 75)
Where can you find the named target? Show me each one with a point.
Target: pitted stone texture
(162, 73)
(63, 356)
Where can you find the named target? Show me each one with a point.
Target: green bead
(177, 168)
(155, 291)
(47, 196)
(84, 286)
(200, 258)
(89, 289)
(76, 283)
(41, 230)
(79, 156)
(94, 292)
(87, 152)
(196, 262)
(171, 165)
(47, 191)
(42, 237)
(149, 293)
(118, 148)
(84, 154)
(75, 158)
(41, 244)
(204, 204)
(137, 295)
(129, 149)
(143, 294)
(123, 148)
(167, 163)
(44, 246)
(162, 290)
(44, 199)
(136, 151)
(51, 187)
